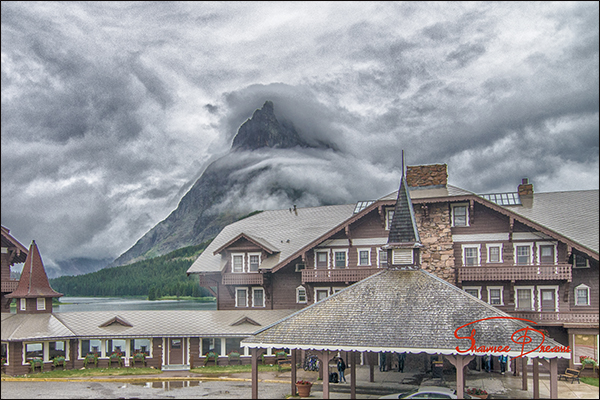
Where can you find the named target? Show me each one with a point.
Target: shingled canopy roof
(409, 311)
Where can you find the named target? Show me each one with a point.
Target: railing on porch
(337, 275)
(490, 272)
(557, 318)
(242, 279)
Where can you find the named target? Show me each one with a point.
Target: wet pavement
(272, 385)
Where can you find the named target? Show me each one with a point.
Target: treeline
(157, 277)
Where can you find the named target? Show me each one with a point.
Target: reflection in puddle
(168, 385)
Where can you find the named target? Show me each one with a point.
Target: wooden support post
(353, 374)
(293, 379)
(536, 378)
(325, 368)
(459, 362)
(524, 371)
(554, 378)
(254, 375)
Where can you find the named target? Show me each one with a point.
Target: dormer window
(582, 295)
(580, 261)
(237, 263)
(389, 216)
(41, 303)
(254, 261)
(460, 214)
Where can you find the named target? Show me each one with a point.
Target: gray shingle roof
(285, 230)
(147, 323)
(572, 214)
(402, 311)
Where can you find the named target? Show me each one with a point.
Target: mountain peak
(263, 129)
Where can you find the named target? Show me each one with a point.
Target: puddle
(168, 385)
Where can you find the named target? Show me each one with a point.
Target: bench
(570, 373)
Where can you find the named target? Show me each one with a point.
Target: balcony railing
(337, 275)
(559, 272)
(9, 285)
(557, 318)
(242, 279)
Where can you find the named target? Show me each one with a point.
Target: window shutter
(402, 257)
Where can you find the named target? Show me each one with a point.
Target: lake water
(72, 304)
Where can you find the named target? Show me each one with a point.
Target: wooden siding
(284, 284)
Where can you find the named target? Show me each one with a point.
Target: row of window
(340, 258)
(459, 215)
(258, 295)
(523, 254)
(245, 262)
(40, 304)
(546, 298)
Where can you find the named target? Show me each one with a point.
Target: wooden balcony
(558, 272)
(337, 275)
(9, 285)
(242, 279)
(558, 318)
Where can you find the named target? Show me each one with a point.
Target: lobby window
(56, 349)
(34, 350)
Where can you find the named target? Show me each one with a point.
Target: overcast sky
(111, 110)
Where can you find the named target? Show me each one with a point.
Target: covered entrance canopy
(409, 311)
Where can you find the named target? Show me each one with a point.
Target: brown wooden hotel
(532, 255)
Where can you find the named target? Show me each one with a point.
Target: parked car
(427, 392)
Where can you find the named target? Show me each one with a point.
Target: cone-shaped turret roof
(34, 281)
(403, 229)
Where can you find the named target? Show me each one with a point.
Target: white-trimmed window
(337, 289)
(301, 295)
(496, 295)
(546, 253)
(23, 304)
(321, 259)
(41, 303)
(470, 254)
(340, 258)
(460, 214)
(473, 291)
(237, 262)
(33, 350)
(523, 254)
(364, 257)
(258, 297)
(383, 258)
(582, 295)
(241, 297)
(524, 298)
(389, 216)
(580, 261)
(547, 298)
(253, 262)
(494, 253)
(321, 293)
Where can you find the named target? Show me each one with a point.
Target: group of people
(487, 363)
(383, 364)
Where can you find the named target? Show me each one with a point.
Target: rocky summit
(204, 210)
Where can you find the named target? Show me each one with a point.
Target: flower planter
(303, 389)
(479, 396)
(139, 358)
(90, 358)
(58, 361)
(37, 362)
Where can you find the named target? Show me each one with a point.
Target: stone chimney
(525, 188)
(427, 175)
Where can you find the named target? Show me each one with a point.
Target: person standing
(341, 366)
(503, 360)
(382, 361)
(401, 358)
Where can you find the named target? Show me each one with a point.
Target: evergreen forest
(157, 277)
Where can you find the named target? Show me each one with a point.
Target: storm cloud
(112, 110)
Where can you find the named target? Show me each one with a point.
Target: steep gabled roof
(403, 228)
(34, 281)
(399, 311)
(9, 241)
(260, 242)
(286, 230)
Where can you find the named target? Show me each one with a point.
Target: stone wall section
(427, 175)
(437, 253)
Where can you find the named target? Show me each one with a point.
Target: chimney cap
(525, 181)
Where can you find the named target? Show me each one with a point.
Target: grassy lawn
(74, 373)
(590, 381)
(208, 370)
